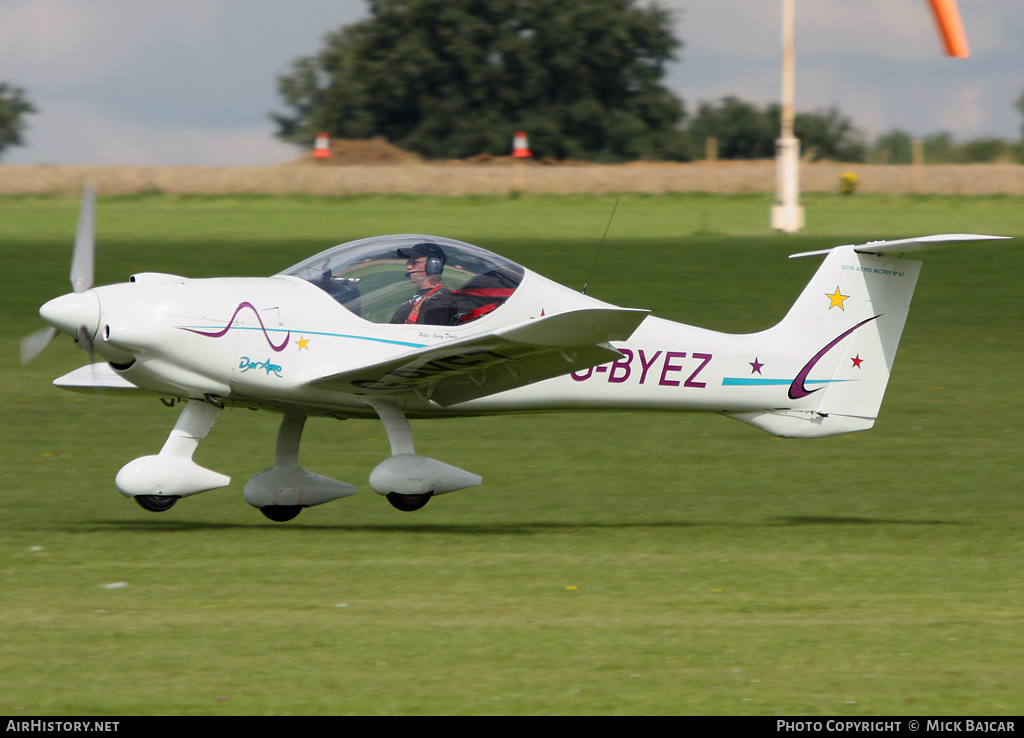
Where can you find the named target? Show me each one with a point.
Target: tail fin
(842, 334)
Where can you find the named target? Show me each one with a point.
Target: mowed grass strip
(610, 564)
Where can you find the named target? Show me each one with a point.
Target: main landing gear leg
(408, 480)
(281, 493)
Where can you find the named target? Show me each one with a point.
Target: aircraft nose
(68, 312)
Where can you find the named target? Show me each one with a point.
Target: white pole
(787, 215)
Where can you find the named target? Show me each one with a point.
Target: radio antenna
(600, 245)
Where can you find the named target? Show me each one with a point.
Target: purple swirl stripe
(223, 332)
(797, 388)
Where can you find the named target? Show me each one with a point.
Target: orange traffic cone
(521, 146)
(323, 146)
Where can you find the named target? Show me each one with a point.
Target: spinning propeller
(57, 312)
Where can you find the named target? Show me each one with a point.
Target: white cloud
(737, 28)
(160, 81)
(79, 133)
(40, 41)
(962, 110)
(899, 30)
(68, 41)
(896, 30)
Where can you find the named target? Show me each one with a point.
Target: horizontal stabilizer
(908, 245)
(457, 371)
(96, 377)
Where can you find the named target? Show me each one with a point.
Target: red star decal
(857, 361)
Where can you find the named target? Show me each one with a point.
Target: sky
(176, 82)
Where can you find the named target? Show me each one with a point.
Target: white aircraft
(413, 326)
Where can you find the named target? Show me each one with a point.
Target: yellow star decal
(303, 343)
(837, 299)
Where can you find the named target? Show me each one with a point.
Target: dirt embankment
(374, 166)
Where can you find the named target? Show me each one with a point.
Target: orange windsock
(952, 30)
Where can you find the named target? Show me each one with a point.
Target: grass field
(609, 564)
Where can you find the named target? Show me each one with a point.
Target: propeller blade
(33, 345)
(85, 341)
(83, 257)
(82, 269)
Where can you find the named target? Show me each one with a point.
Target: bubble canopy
(369, 278)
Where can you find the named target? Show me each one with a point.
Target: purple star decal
(755, 366)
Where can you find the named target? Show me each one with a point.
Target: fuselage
(259, 342)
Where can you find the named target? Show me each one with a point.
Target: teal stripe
(317, 333)
(755, 382)
(342, 335)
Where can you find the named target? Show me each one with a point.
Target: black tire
(281, 513)
(156, 503)
(408, 503)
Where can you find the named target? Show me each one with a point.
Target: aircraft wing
(513, 356)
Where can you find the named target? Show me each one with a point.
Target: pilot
(432, 304)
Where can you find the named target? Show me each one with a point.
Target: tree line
(746, 131)
(453, 79)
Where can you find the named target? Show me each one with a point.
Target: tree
(985, 150)
(455, 78)
(829, 135)
(743, 131)
(13, 105)
(895, 147)
(939, 148)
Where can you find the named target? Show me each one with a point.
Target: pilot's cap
(423, 249)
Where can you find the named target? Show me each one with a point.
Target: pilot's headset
(435, 257)
(435, 264)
